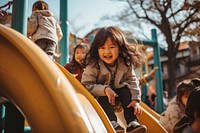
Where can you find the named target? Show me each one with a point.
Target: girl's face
(184, 99)
(109, 52)
(80, 55)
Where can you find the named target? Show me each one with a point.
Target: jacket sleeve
(32, 24)
(170, 117)
(59, 32)
(174, 116)
(133, 84)
(67, 66)
(89, 80)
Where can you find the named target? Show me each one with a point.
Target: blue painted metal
(156, 50)
(144, 86)
(14, 120)
(2, 120)
(91, 38)
(19, 16)
(64, 43)
(158, 72)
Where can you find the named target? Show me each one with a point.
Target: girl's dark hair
(185, 87)
(196, 81)
(40, 5)
(193, 104)
(127, 51)
(192, 109)
(73, 61)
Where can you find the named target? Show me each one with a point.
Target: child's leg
(42, 43)
(109, 110)
(124, 96)
(51, 47)
(107, 107)
(47, 46)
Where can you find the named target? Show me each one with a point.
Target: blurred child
(76, 66)
(43, 29)
(176, 108)
(191, 122)
(109, 76)
(165, 99)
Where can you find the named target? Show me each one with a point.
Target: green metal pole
(145, 42)
(158, 73)
(91, 38)
(144, 86)
(157, 63)
(2, 120)
(64, 26)
(19, 16)
(14, 120)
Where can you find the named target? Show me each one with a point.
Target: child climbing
(43, 29)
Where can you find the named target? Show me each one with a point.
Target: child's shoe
(117, 127)
(135, 127)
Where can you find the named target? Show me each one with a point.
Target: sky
(87, 13)
(83, 15)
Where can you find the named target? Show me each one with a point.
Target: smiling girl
(109, 76)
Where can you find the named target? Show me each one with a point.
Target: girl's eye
(101, 47)
(113, 46)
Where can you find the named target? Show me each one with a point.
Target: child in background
(109, 76)
(43, 29)
(76, 66)
(191, 122)
(165, 99)
(176, 108)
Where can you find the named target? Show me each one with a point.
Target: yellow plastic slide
(48, 96)
(149, 117)
(43, 94)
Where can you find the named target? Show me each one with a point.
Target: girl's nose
(107, 50)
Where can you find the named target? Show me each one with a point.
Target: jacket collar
(120, 64)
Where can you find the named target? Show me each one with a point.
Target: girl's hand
(137, 108)
(75, 75)
(111, 95)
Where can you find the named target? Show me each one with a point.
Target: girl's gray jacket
(43, 25)
(97, 79)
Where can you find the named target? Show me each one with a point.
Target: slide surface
(48, 95)
(149, 117)
(41, 92)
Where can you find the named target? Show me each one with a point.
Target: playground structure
(46, 94)
(60, 96)
(41, 92)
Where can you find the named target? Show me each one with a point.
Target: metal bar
(19, 16)
(158, 73)
(145, 42)
(14, 121)
(64, 43)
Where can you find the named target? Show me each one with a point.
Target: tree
(172, 18)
